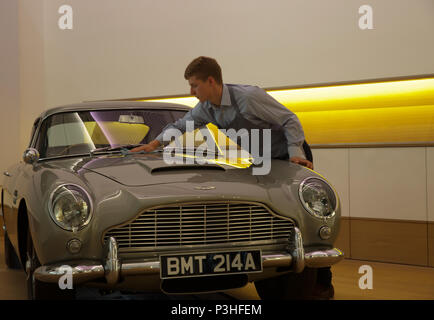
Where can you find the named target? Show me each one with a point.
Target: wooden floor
(389, 282)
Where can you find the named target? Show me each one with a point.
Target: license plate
(210, 263)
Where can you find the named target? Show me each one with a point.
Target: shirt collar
(226, 97)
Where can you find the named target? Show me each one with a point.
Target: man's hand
(151, 146)
(302, 162)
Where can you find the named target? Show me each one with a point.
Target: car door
(10, 202)
(13, 184)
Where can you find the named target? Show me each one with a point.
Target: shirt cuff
(295, 151)
(159, 138)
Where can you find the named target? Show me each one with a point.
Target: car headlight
(318, 198)
(70, 207)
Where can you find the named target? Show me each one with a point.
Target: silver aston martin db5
(82, 205)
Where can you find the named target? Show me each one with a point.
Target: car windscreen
(80, 132)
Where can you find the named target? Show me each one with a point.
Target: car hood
(150, 169)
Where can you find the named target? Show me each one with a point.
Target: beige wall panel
(388, 183)
(343, 240)
(9, 85)
(32, 67)
(389, 241)
(332, 164)
(430, 182)
(141, 49)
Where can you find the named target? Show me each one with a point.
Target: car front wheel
(37, 290)
(11, 258)
(295, 286)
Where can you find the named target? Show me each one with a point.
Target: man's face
(199, 88)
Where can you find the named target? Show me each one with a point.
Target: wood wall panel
(389, 241)
(431, 244)
(343, 240)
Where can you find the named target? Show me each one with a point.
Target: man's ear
(211, 80)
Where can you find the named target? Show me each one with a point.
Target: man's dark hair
(204, 67)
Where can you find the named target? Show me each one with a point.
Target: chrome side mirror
(31, 155)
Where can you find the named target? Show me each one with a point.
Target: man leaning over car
(238, 107)
(233, 106)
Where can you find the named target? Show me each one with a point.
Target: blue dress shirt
(257, 107)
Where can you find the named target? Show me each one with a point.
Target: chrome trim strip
(245, 244)
(319, 259)
(112, 265)
(85, 271)
(82, 271)
(298, 253)
(276, 260)
(140, 268)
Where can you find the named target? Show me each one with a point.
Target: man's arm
(260, 105)
(196, 115)
(151, 146)
(301, 161)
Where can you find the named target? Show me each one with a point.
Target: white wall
(333, 164)
(381, 183)
(32, 69)
(139, 48)
(136, 48)
(9, 84)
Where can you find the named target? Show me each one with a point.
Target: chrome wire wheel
(31, 264)
(37, 290)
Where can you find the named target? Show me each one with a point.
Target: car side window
(32, 134)
(41, 139)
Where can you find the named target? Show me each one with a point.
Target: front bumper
(113, 270)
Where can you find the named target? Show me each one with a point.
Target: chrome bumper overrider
(112, 269)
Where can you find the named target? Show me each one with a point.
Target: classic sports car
(82, 204)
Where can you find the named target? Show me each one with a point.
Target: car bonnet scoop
(161, 166)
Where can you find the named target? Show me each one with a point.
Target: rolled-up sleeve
(259, 106)
(197, 115)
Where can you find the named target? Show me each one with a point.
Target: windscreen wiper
(124, 149)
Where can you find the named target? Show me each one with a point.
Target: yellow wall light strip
(358, 96)
(380, 125)
(188, 101)
(399, 111)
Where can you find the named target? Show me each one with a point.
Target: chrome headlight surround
(70, 207)
(318, 198)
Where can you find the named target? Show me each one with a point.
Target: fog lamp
(74, 246)
(325, 232)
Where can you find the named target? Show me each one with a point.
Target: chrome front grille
(199, 224)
